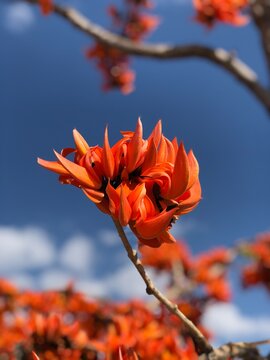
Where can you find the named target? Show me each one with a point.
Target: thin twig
(238, 350)
(227, 60)
(201, 344)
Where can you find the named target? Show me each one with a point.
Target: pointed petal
(134, 148)
(53, 166)
(170, 152)
(180, 176)
(166, 237)
(175, 145)
(80, 142)
(193, 169)
(107, 157)
(162, 151)
(151, 228)
(154, 242)
(135, 199)
(150, 157)
(114, 199)
(103, 206)
(94, 195)
(125, 209)
(66, 151)
(191, 201)
(156, 133)
(78, 172)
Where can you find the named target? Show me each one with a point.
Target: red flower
(165, 256)
(146, 184)
(46, 6)
(210, 270)
(227, 11)
(114, 66)
(259, 271)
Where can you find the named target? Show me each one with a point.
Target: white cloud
(92, 287)
(109, 237)
(127, 283)
(227, 323)
(18, 17)
(77, 254)
(22, 281)
(25, 248)
(183, 227)
(54, 279)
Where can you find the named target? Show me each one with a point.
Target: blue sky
(48, 88)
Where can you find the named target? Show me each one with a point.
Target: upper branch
(219, 56)
(260, 10)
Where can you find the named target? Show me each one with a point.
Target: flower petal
(193, 168)
(78, 172)
(150, 157)
(156, 133)
(114, 199)
(151, 228)
(107, 157)
(94, 195)
(180, 176)
(80, 142)
(134, 148)
(125, 209)
(135, 198)
(54, 166)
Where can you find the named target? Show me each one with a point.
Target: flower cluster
(46, 6)
(114, 66)
(144, 183)
(65, 325)
(207, 270)
(226, 11)
(259, 271)
(131, 23)
(210, 270)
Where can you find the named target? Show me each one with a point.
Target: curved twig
(227, 60)
(237, 350)
(201, 344)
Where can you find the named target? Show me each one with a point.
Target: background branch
(228, 61)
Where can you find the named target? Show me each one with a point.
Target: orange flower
(210, 269)
(166, 256)
(140, 25)
(114, 65)
(259, 271)
(144, 183)
(46, 6)
(227, 11)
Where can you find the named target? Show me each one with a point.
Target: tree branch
(227, 60)
(260, 10)
(201, 344)
(239, 350)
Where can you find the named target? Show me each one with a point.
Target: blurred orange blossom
(144, 183)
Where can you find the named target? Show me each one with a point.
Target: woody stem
(201, 344)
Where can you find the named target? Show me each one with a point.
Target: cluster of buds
(144, 183)
(227, 11)
(131, 23)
